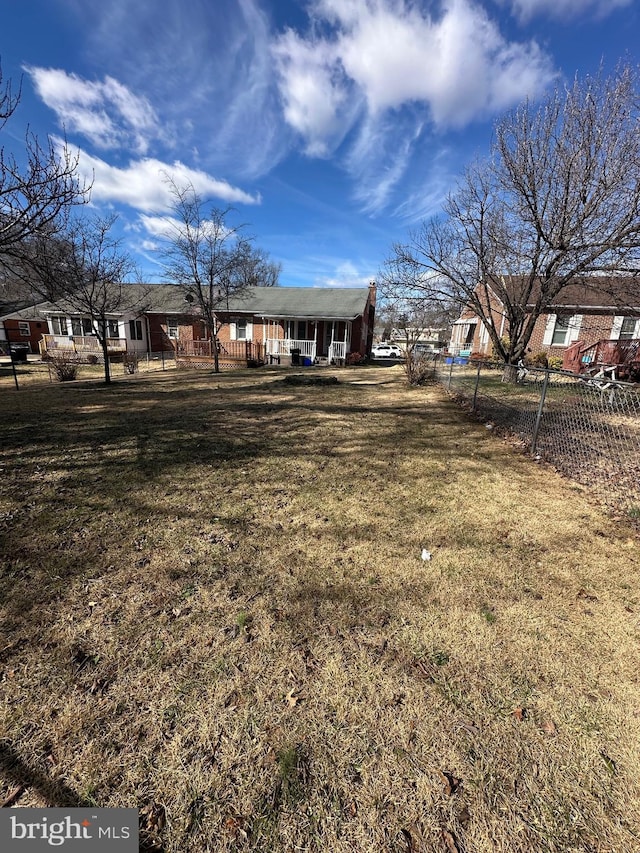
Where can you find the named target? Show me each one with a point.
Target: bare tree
(557, 204)
(210, 259)
(257, 269)
(85, 270)
(36, 194)
(408, 320)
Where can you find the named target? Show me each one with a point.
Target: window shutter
(249, 330)
(233, 331)
(548, 332)
(574, 328)
(616, 327)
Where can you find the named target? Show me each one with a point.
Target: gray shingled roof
(325, 303)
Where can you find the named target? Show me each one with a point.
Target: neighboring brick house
(323, 324)
(308, 325)
(20, 323)
(597, 310)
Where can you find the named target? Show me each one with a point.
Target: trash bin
(19, 352)
(307, 361)
(295, 357)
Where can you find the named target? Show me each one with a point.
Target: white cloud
(390, 53)
(206, 67)
(527, 9)
(145, 184)
(105, 112)
(315, 98)
(346, 274)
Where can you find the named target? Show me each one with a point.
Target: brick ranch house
(594, 322)
(260, 325)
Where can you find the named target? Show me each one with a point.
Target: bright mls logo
(70, 829)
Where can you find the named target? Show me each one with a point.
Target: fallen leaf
(352, 809)
(549, 727)
(450, 841)
(292, 698)
(609, 763)
(464, 816)
(520, 714)
(450, 782)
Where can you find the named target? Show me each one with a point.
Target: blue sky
(331, 127)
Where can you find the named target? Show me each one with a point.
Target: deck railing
(233, 350)
(79, 344)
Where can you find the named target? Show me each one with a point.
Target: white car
(386, 351)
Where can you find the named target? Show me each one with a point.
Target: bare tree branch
(557, 203)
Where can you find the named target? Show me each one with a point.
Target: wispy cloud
(103, 111)
(206, 67)
(565, 9)
(391, 53)
(381, 74)
(145, 184)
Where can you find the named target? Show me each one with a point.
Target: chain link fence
(35, 371)
(588, 428)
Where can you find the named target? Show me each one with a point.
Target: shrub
(130, 362)
(537, 359)
(64, 366)
(92, 359)
(555, 362)
(478, 356)
(355, 358)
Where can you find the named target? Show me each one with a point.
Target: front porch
(322, 341)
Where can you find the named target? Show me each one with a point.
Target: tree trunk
(216, 360)
(103, 344)
(510, 373)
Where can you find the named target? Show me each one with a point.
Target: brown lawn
(214, 608)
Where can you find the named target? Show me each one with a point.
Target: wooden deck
(623, 355)
(230, 354)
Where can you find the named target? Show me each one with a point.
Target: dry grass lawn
(214, 608)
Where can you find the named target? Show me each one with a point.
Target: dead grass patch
(215, 609)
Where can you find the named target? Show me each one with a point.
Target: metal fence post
(543, 394)
(475, 390)
(450, 372)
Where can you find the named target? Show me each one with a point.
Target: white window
(241, 329)
(135, 330)
(24, 329)
(628, 329)
(59, 326)
(81, 326)
(172, 327)
(112, 329)
(561, 330)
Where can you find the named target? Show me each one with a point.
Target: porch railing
(283, 346)
(79, 344)
(458, 348)
(338, 351)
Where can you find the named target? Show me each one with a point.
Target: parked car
(386, 351)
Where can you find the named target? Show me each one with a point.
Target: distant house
(284, 324)
(596, 310)
(20, 323)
